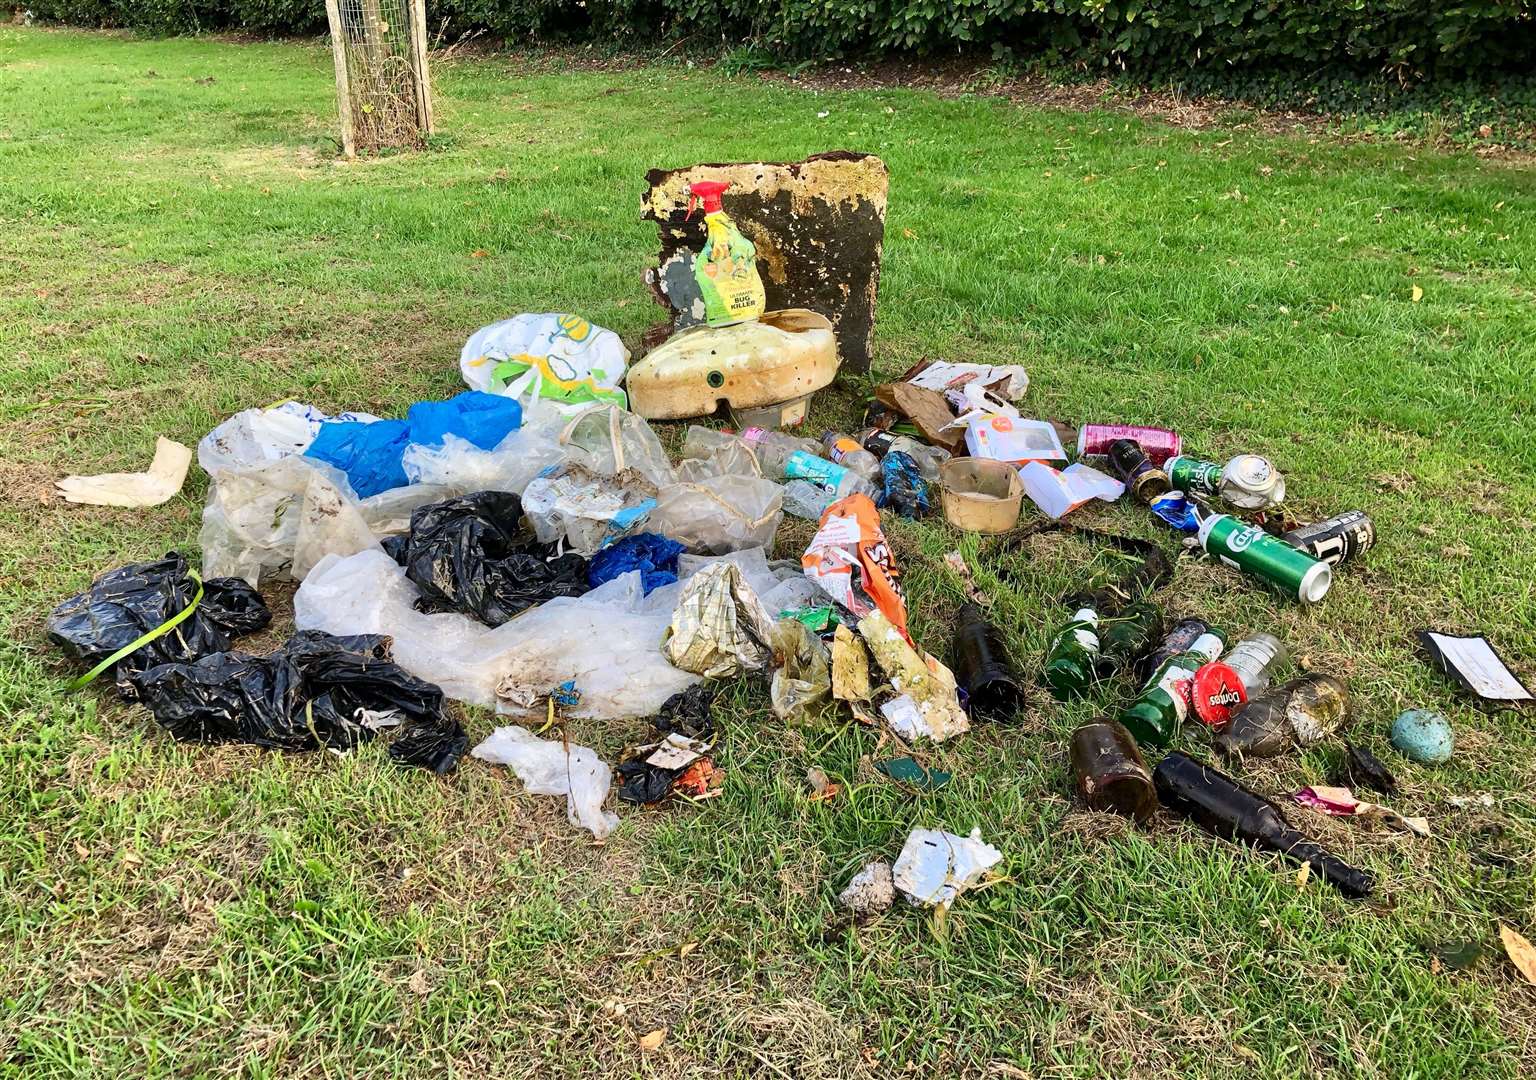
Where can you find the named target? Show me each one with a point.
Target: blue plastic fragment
(904, 489)
(369, 453)
(653, 555)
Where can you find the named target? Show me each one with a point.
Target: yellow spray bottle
(726, 268)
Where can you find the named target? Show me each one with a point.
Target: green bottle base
(1066, 680)
(1145, 725)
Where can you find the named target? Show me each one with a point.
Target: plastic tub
(980, 495)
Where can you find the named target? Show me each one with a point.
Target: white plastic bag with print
(559, 358)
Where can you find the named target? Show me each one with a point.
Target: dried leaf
(685, 948)
(478, 253)
(652, 1040)
(1521, 953)
(1303, 874)
(1418, 294)
(419, 984)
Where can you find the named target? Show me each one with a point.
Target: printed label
(1243, 538)
(818, 470)
(843, 447)
(1085, 635)
(1207, 646)
(1175, 681)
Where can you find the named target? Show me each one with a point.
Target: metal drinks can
(1250, 548)
(1160, 444)
(1337, 539)
(1189, 474)
(1251, 482)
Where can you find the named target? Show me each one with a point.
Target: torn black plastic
(474, 554)
(123, 605)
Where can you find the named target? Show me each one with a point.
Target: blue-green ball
(1423, 736)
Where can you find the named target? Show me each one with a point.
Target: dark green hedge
(1409, 37)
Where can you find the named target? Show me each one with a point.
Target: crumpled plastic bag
(803, 675)
(720, 503)
(720, 627)
(371, 454)
(608, 441)
(261, 436)
(280, 518)
(570, 504)
(167, 472)
(124, 604)
(559, 358)
(608, 641)
(850, 558)
(317, 690)
(655, 557)
(458, 466)
(903, 488)
(549, 767)
(473, 554)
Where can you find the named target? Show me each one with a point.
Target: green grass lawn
(178, 241)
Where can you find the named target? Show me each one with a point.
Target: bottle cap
(1217, 693)
(707, 190)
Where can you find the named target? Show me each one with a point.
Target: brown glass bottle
(1111, 774)
(1220, 805)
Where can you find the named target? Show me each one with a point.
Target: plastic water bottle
(1254, 659)
(774, 448)
(804, 499)
(880, 442)
(847, 452)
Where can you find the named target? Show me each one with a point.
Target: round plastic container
(980, 495)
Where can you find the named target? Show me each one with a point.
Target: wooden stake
(343, 91)
(419, 56)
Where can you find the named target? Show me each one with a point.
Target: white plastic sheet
(554, 357)
(261, 436)
(608, 641)
(549, 767)
(282, 517)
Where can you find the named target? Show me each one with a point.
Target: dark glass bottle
(1110, 772)
(982, 669)
(1222, 806)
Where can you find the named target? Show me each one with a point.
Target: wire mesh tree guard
(382, 89)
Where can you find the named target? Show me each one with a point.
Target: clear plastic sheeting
(282, 517)
(607, 641)
(551, 767)
(607, 441)
(461, 467)
(720, 513)
(584, 510)
(261, 436)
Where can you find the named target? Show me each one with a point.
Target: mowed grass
(178, 242)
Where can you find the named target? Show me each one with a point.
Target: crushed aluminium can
(1335, 540)
(1251, 482)
(1160, 444)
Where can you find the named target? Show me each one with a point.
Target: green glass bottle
(1073, 656)
(1130, 634)
(1154, 717)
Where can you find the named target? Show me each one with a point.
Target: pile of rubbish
(528, 546)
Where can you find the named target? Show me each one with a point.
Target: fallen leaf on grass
(1521, 952)
(478, 253)
(1303, 874)
(1418, 294)
(653, 1040)
(419, 984)
(685, 948)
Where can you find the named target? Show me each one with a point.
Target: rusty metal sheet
(819, 227)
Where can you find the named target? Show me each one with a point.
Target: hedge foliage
(1410, 37)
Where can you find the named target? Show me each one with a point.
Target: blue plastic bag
(654, 556)
(369, 453)
(483, 419)
(905, 491)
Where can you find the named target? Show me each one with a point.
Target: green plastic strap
(144, 639)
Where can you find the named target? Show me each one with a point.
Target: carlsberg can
(1250, 548)
(1191, 475)
(1335, 540)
